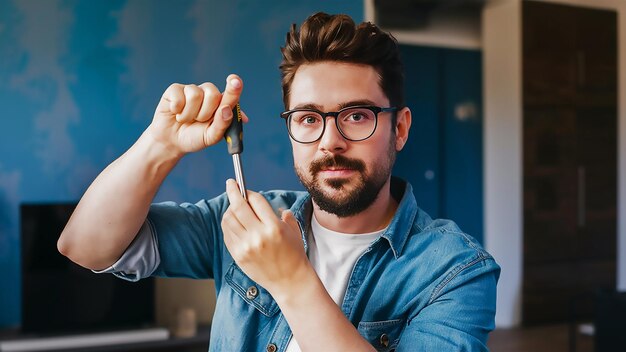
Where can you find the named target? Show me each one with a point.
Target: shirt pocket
(251, 292)
(383, 335)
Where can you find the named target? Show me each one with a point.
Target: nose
(332, 141)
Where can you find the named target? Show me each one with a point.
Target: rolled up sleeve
(140, 259)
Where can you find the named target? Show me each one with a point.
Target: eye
(310, 119)
(356, 117)
(306, 118)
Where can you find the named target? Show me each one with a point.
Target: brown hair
(324, 37)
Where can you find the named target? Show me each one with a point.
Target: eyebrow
(341, 105)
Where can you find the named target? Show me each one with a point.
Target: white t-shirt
(333, 255)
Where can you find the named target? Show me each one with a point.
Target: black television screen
(59, 296)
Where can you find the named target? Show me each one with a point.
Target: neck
(376, 217)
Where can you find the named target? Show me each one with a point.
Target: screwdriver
(234, 139)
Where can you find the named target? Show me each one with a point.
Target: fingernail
(235, 83)
(227, 113)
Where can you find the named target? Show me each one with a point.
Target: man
(351, 265)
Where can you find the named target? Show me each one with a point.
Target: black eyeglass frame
(375, 109)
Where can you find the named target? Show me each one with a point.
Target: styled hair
(324, 37)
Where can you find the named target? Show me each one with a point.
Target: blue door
(443, 157)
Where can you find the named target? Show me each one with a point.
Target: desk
(197, 343)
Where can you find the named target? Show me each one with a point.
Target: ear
(403, 124)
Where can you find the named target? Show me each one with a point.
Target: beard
(345, 200)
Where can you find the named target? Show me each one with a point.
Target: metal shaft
(239, 175)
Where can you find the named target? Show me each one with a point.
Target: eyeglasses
(355, 123)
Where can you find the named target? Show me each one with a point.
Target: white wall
(502, 132)
(501, 29)
(448, 29)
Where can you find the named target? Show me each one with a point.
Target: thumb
(215, 131)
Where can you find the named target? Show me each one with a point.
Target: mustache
(336, 161)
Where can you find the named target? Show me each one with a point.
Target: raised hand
(189, 117)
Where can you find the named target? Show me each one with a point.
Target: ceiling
(408, 14)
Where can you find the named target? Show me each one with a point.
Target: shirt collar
(398, 230)
(403, 220)
(302, 210)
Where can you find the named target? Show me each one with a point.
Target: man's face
(342, 176)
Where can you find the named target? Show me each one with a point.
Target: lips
(336, 169)
(336, 172)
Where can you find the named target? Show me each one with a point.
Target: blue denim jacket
(424, 285)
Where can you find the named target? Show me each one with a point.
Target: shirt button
(271, 348)
(384, 340)
(252, 293)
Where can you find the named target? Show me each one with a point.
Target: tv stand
(146, 340)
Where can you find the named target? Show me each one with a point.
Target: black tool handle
(234, 133)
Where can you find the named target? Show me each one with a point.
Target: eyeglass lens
(354, 124)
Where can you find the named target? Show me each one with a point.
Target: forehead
(330, 84)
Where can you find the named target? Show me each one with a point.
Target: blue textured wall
(79, 81)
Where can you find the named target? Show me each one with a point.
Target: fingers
(173, 99)
(193, 101)
(254, 213)
(212, 98)
(201, 103)
(244, 117)
(231, 228)
(231, 225)
(259, 208)
(239, 206)
(262, 208)
(288, 217)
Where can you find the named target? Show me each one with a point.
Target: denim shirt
(424, 285)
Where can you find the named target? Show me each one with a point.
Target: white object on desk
(86, 340)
